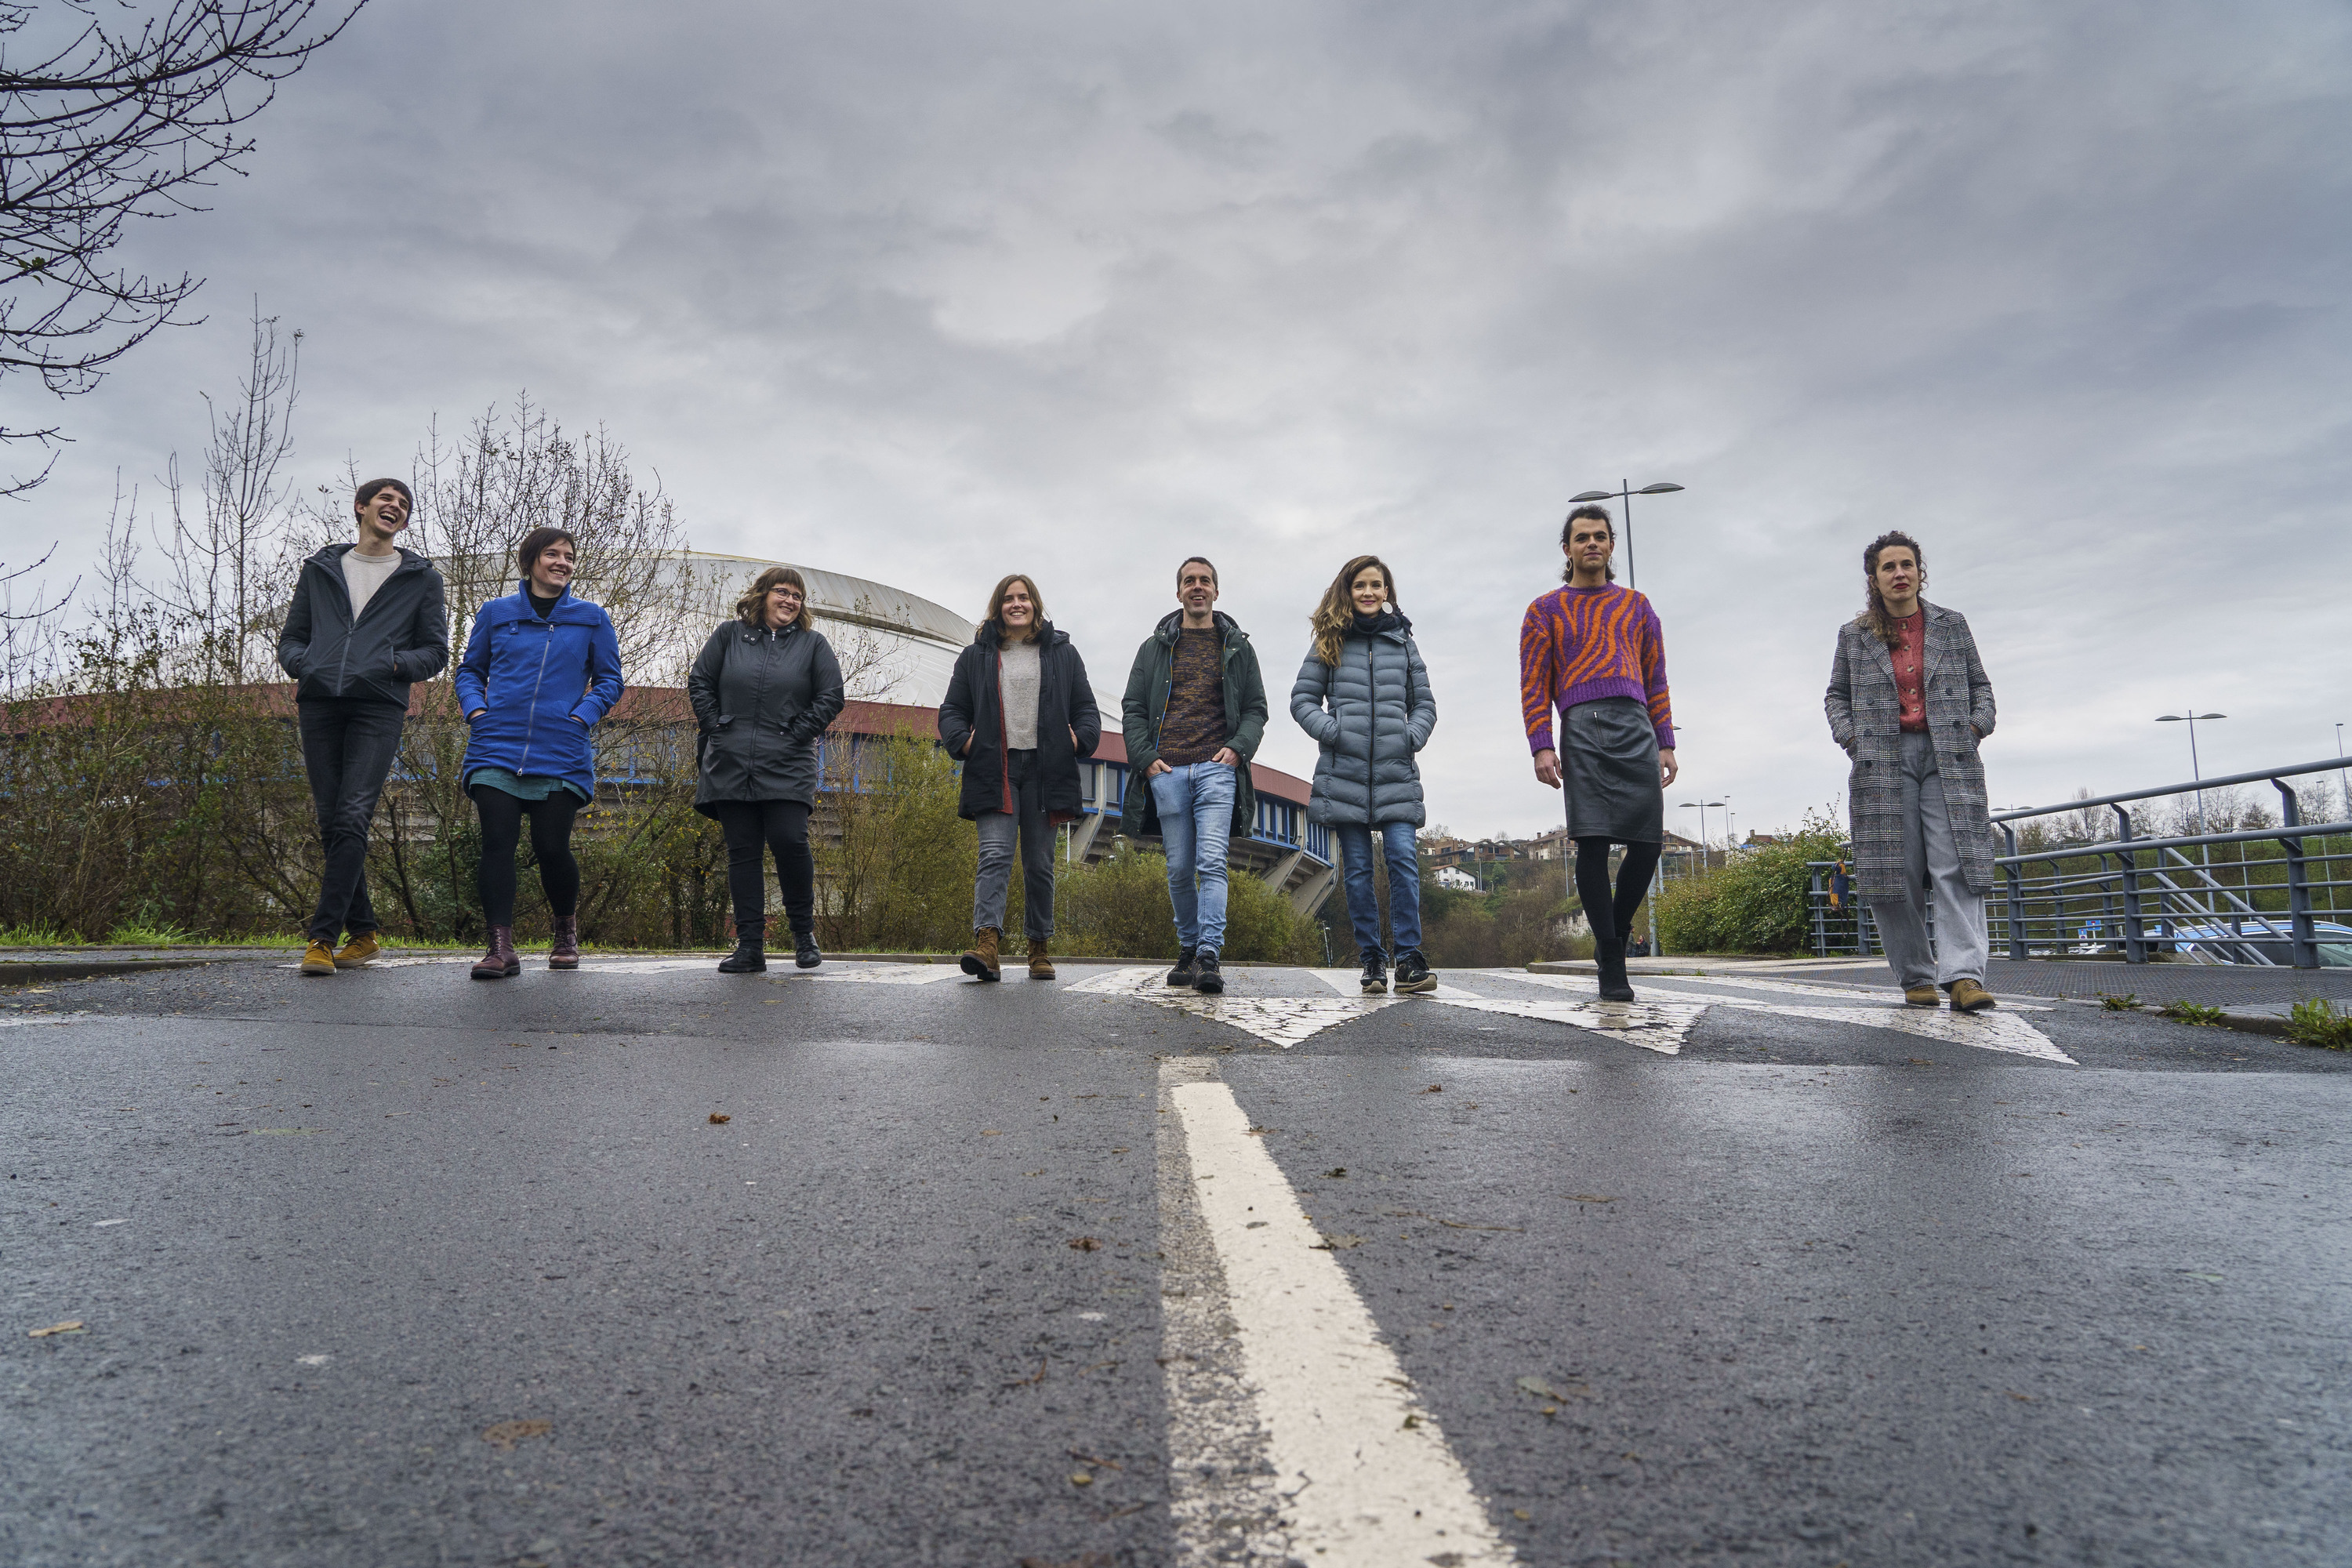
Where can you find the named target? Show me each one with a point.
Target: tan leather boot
(1967, 997)
(318, 958)
(983, 958)
(358, 950)
(1040, 966)
(1921, 997)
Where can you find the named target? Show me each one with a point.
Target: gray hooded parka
(1369, 715)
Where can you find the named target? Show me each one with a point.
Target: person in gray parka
(763, 689)
(1364, 695)
(1908, 700)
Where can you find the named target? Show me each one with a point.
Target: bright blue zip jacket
(541, 685)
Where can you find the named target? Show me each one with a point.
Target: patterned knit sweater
(1580, 645)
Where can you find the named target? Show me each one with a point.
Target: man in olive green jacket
(1194, 713)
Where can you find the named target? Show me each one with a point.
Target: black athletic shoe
(1412, 973)
(1376, 973)
(804, 952)
(1209, 980)
(749, 957)
(1184, 974)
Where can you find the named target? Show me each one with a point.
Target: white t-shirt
(1016, 688)
(364, 574)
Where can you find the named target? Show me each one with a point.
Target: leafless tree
(120, 112)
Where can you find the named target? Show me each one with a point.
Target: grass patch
(2126, 1003)
(2315, 1021)
(142, 933)
(2196, 1013)
(35, 936)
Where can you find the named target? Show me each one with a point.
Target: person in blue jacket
(540, 669)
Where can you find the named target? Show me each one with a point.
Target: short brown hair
(996, 604)
(366, 493)
(537, 538)
(751, 609)
(1203, 560)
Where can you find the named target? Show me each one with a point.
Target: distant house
(1455, 878)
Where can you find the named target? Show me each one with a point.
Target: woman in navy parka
(541, 667)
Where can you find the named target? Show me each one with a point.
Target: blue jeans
(1398, 842)
(1196, 822)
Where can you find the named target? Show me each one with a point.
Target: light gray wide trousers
(1931, 858)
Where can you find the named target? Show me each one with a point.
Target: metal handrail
(2259, 775)
(2125, 846)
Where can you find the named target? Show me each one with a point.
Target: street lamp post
(1625, 493)
(2196, 775)
(1700, 806)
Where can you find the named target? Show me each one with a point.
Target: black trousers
(1609, 914)
(347, 750)
(754, 828)
(550, 840)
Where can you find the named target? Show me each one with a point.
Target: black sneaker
(1412, 973)
(1376, 973)
(1185, 972)
(804, 950)
(1210, 979)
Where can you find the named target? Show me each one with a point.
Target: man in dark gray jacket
(368, 620)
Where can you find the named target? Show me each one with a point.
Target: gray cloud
(927, 292)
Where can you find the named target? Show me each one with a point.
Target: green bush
(1755, 904)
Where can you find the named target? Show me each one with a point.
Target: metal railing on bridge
(2142, 897)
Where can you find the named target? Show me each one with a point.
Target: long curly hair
(996, 605)
(1873, 610)
(1334, 617)
(751, 609)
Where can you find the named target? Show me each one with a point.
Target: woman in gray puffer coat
(1364, 695)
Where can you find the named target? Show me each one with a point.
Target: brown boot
(358, 950)
(500, 961)
(982, 960)
(1040, 966)
(564, 951)
(1922, 996)
(1967, 997)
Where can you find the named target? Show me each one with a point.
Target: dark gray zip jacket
(401, 637)
(1145, 707)
(762, 697)
(1369, 715)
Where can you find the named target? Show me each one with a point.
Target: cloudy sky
(930, 293)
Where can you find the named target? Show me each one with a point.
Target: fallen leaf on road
(1457, 1224)
(1589, 1198)
(505, 1435)
(2020, 1398)
(1263, 1132)
(1434, 1088)
(990, 1132)
(1080, 1479)
(719, 1118)
(1335, 1173)
(1084, 1244)
(1038, 1376)
(1083, 1560)
(1090, 1458)
(1339, 1243)
(70, 1326)
(1538, 1387)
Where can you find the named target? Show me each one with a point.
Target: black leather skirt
(1609, 770)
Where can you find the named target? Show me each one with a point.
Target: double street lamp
(1625, 493)
(1701, 805)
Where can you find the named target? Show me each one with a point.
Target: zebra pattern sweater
(1580, 645)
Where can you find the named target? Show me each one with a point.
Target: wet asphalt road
(1807, 1291)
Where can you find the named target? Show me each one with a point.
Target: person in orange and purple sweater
(1596, 653)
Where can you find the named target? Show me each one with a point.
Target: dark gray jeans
(997, 831)
(348, 749)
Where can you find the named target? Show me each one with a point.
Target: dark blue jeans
(1398, 844)
(348, 749)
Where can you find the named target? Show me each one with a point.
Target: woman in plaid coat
(1908, 700)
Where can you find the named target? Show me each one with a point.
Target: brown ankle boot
(1040, 966)
(564, 951)
(983, 960)
(500, 961)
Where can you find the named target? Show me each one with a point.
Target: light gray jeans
(1037, 837)
(1931, 856)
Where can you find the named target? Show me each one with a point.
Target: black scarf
(1386, 621)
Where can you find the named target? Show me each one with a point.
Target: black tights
(550, 840)
(755, 828)
(1610, 916)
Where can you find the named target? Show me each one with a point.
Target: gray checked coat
(1866, 717)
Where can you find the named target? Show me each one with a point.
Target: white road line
(50, 1018)
(1278, 1020)
(1674, 985)
(893, 974)
(1999, 1030)
(1364, 1471)
(1659, 1027)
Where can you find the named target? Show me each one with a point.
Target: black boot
(1208, 977)
(1376, 973)
(804, 952)
(1184, 974)
(1412, 973)
(1609, 956)
(751, 955)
